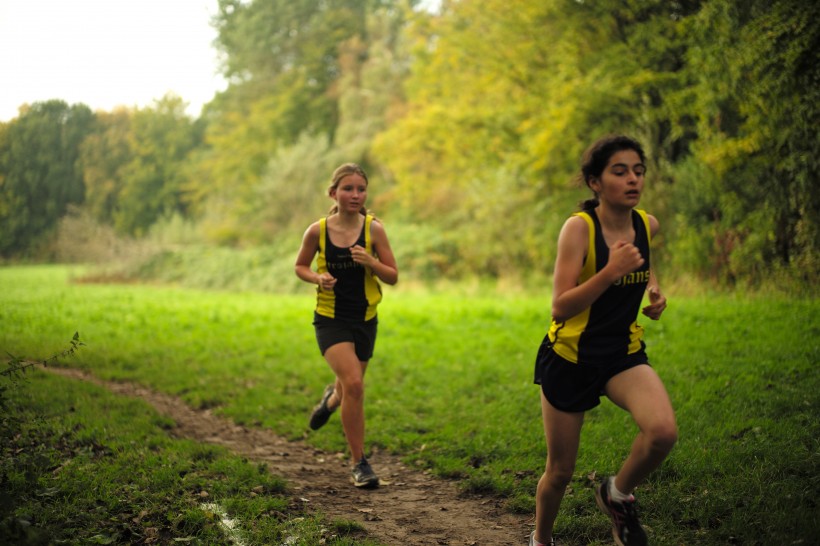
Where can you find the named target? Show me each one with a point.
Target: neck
(614, 218)
(348, 218)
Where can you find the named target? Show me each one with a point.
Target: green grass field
(450, 389)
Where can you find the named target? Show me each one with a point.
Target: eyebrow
(627, 166)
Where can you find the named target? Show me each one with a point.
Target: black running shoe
(321, 413)
(363, 475)
(626, 529)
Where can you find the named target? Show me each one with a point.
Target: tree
(40, 172)
(288, 50)
(755, 71)
(153, 181)
(105, 154)
(296, 70)
(502, 101)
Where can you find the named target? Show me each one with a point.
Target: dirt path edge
(410, 508)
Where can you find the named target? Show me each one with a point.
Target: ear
(332, 193)
(594, 184)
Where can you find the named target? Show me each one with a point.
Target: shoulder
(654, 225)
(574, 234)
(577, 224)
(313, 230)
(376, 227)
(651, 221)
(310, 240)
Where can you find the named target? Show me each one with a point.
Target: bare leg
(640, 391)
(563, 433)
(349, 389)
(335, 399)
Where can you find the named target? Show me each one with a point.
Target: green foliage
(492, 135)
(40, 174)
(266, 268)
(290, 195)
(471, 122)
(754, 69)
(290, 50)
(264, 174)
(284, 60)
(105, 154)
(153, 180)
(17, 366)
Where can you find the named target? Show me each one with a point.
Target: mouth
(633, 193)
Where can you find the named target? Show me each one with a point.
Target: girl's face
(350, 193)
(621, 182)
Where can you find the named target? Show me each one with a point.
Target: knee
(662, 437)
(558, 476)
(354, 389)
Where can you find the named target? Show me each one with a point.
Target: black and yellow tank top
(608, 328)
(357, 292)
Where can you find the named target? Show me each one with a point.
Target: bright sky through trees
(107, 53)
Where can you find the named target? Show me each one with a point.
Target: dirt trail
(411, 508)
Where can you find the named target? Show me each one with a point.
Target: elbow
(388, 276)
(558, 314)
(299, 271)
(565, 307)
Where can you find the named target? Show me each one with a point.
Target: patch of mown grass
(450, 389)
(79, 465)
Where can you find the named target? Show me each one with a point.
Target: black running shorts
(575, 387)
(330, 331)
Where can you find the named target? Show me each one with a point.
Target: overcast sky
(106, 53)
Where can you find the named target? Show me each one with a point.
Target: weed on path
(411, 507)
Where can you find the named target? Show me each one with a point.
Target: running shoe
(363, 475)
(321, 413)
(626, 529)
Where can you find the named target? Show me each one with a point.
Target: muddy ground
(410, 508)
